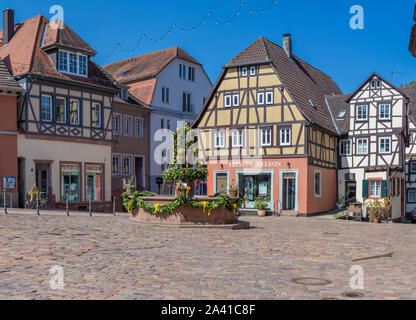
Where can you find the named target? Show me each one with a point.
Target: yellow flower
(235, 208)
(204, 205)
(188, 190)
(156, 208)
(130, 206)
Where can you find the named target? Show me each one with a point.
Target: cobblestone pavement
(108, 257)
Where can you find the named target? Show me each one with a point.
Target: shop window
(318, 184)
(94, 182)
(70, 178)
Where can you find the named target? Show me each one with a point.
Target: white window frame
(260, 99)
(78, 110)
(379, 145)
(67, 69)
(236, 100)
(379, 111)
(269, 94)
(350, 147)
(408, 195)
(237, 137)
(100, 120)
(65, 109)
(253, 70)
(226, 97)
(50, 107)
(244, 72)
(377, 189)
(268, 141)
(141, 127)
(319, 173)
(283, 135)
(130, 157)
(182, 71)
(119, 164)
(366, 112)
(410, 167)
(128, 133)
(165, 95)
(120, 125)
(341, 115)
(358, 144)
(219, 139)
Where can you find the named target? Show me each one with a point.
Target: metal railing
(6, 199)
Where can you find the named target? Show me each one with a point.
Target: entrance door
(42, 180)
(138, 169)
(350, 192)
(289, 191)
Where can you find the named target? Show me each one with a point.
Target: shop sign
(9, 182)
(254, 164)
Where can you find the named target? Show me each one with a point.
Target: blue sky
(321, 32)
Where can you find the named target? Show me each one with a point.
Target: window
(117, 124)
(94, 182)
(116, 165)
(204, 100)
(63, 61)
(70, 179)
(345, 148)
(244, 71)
(96, 115)
(269, 98)
(60, 110)
(385, 145)
(341, 115)
(227, 101)
(219, 139)
(182, 71)
(362, 146)
(73, 66)
(362, 112)
(162, 123)
(375, 189)
(260, 98)
(186, 103)
(46, 108)
(165, 95)
(139, 127)
(411, 195)
(253, 71)
(168, 124)
(285, 137)
(236, 100)
(266, 137)
(237, 138)
(82, 62)
(74, 111)
(413, 166)
(191, 74)
(384, 111)
(375, 84)
(318, 184)
(127, 165)
(127, 126)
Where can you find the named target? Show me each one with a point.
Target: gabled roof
(6, 80)
(147, 65)
(23, 54)
(304, 82)
(144, 90)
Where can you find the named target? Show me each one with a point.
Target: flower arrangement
(261, 204)
(128, 185)
(233, 190)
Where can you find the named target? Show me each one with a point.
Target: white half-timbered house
(373, 128)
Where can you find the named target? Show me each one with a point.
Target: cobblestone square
(108, 257)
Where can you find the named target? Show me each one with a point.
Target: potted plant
(233, 191)
(128, 186)
(261, 207)
(340, 202)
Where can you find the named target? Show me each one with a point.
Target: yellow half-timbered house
(267, 129)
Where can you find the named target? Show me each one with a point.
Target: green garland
(224, 202)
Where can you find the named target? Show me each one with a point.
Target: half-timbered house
(373, 127)
(267, 129)
(64, 121)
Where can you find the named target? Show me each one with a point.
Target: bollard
(37, 204)
(90, 207)
(67, 205)
(114, 206)
(5, 202)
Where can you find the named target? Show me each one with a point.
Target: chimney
(287, 44)
(8, 25)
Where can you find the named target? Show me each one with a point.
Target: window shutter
(365, 188)
(384, 189)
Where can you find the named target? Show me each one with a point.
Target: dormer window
(341, 115)
(73, 63)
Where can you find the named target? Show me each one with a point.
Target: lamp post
(37, 204)
(5, 201)
(114, 206)
(67, 205)
(90, 206)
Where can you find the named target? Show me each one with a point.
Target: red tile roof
(147, 65)
(6, 80)
(144, 90)
(23, 54)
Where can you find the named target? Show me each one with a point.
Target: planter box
(184, 215)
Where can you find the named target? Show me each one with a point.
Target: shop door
(138, 169)
(350, 192)
(289, 191)
(42, 181)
